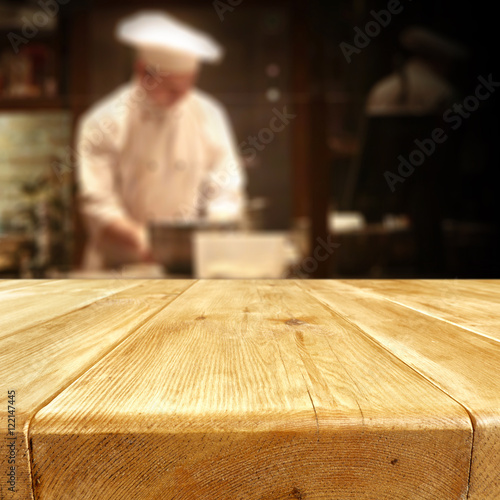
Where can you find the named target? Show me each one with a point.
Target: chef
(156, 149)
(408, 105)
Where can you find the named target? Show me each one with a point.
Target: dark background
(321, 163)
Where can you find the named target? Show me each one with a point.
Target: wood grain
(471, 304)
(24, 307)
(41, 361)
(465, 365)
(6, 285)
(250, 390)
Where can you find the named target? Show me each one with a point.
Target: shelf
(30, 103)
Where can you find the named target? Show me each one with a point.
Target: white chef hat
(161, 40)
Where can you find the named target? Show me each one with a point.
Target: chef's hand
(129, 237)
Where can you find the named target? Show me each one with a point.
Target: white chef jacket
(139, 161)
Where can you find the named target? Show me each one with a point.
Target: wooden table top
(263, 389)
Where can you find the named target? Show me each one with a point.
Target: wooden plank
(471, 304)
(22, 308)
(462, 363)
(39, 362)
(250, 389)
(6, 285)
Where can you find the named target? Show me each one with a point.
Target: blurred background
(327, 195)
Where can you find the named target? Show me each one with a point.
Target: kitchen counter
(250, 389)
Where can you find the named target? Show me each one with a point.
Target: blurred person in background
(405, 107)
(157, 149)
(421, 82)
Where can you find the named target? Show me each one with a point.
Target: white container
(240, 255)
